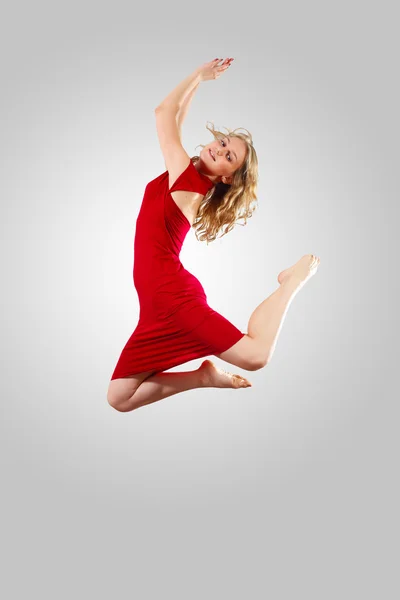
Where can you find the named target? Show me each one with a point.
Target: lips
(212, 155)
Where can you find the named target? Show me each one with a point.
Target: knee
(257, 364)
(115, 402)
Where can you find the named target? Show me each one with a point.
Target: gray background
(288, 489)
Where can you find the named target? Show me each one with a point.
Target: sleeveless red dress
(175, 324)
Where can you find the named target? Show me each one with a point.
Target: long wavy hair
(224, 204)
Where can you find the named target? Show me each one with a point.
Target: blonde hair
(225, 203)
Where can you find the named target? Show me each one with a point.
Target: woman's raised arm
(212, 70)
(174, 101)
(184, 109)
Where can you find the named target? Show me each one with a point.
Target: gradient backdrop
(288, 489)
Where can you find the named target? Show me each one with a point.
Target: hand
(213, 69)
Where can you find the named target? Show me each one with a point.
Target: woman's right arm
(184, 109)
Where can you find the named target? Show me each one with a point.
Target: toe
(241, 381)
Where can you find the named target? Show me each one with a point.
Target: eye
(229, 154)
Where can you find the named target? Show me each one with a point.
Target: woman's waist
(173, 282)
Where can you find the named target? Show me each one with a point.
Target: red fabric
(175, 324)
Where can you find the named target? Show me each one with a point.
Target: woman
(176, 324)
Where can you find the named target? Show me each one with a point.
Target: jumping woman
(176, 325)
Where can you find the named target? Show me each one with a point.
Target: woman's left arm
(175, 100)
(184, 109)
(212, 70)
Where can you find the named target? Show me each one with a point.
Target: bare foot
(305, 268)
(214, 377)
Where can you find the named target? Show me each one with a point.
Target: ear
(227, 180)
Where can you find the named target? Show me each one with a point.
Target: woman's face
(220, 159)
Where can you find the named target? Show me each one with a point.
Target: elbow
(172, 109)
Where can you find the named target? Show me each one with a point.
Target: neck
(198, 166)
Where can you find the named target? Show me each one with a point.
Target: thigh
(122, 389)
(245, 354)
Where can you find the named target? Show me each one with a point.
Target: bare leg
(163, 385)
(264, 326)
(266, 321)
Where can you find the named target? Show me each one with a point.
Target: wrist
(197, 76)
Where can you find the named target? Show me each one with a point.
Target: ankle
(292, 283)
(203, 377)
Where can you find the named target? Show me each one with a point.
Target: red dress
(175, 324)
